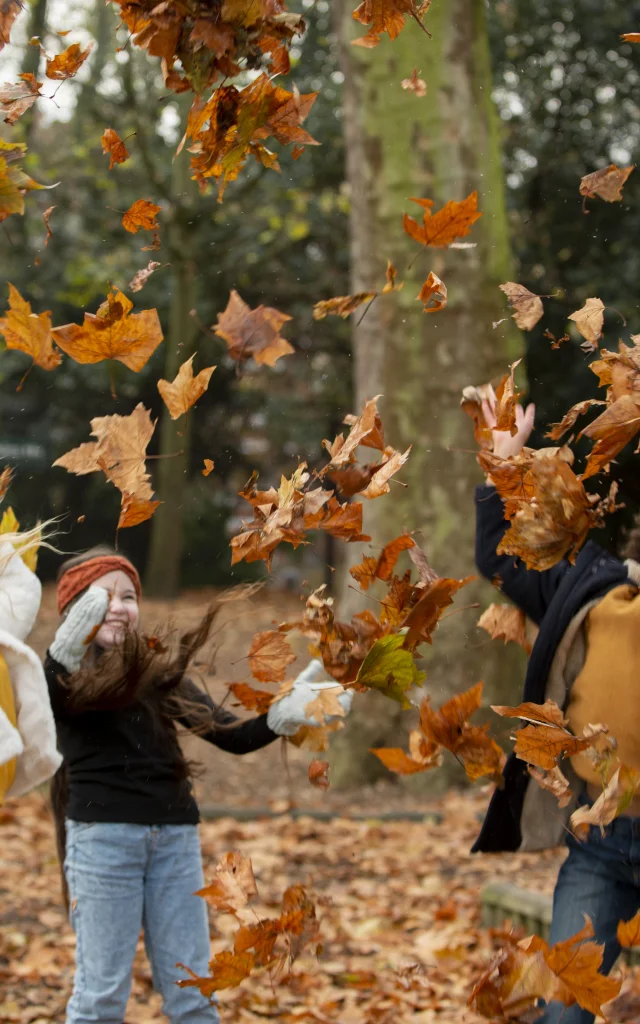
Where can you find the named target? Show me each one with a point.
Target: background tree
(442, 146)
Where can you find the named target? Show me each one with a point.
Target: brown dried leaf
(607, 183)
(590, 320)
(68, 63)
(505, 622)
(269, 655)
(527, 306)
(115, 147)
(433, 291)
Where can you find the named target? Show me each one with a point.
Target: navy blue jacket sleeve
(530, 590)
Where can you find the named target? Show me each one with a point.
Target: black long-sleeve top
(122, 766)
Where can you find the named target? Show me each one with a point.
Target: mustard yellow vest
(8, 705)
(607, 689)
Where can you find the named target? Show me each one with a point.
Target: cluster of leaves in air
(260, 943)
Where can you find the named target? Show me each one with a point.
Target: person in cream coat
(28, 753)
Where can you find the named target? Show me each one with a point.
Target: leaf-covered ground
(399, 901)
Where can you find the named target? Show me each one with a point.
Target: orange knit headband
(79, 577)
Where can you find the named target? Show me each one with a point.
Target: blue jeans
(601, 878)
(123, 878)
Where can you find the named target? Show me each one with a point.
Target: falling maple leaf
(185, 390)
(554, 782)
(556, 518)
(235, 123)
(556, 342)
(119, 452)
(390, 669)
(342, 305)
(440, 229)
(542, 714)
(631, 37)
(227, 970)
(527, 306)
(607, 183)
(505, 622)
(611, 430)
(381, 474)
(18, 98)
(112, 333)
(135, 510)
(325, 705)
(68, 63)
(9, 11)
(423, 618)
(385, 16)
(506, 401)
(141, 277)
(14, 183)
(209, 466)
(141, 215)
(366, 430)
(422, 756)
(390, 280)
(628, 932)
(613, 801)
(46, 216)
(590, 320)
(382, 567)
(415, 84)
(234, 886)
(558, 430)
(29, 332)
(252, 699)
(115, 147)
(253, 332)
(319, 774)
(448, 727)
(433, 291)
(472, 401)
(269, 655)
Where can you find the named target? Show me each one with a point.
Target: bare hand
(504, 444)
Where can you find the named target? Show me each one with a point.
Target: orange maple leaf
(9, 11)
(384, 16)
(135, 510)
(253, 332)
(433, 291)
(252, 699)
(506, 622)
(29, 332)
(612, 430)
(441, 229)
(269, 655)
(425, 615)
(319, 774)
(112, 333)
(341, 305)
(119, 452)
(14, 183)
(234, 885)
(382, 567)
(449, 728)
(141, 215)
(185, 390)
(209, 466)
(114, 146)
(68, 63)
(227, 971)
(629, 932)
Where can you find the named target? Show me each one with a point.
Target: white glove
(287, 715)
(77, 631)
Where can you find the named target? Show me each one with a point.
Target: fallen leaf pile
(396, 950)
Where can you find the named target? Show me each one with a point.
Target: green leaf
(391, 669)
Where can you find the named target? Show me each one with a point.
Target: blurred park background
(522, 100)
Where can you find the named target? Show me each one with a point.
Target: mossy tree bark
(165, 551)
(442, 146)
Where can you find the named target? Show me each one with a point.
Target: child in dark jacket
(125, 812)
(586, 658)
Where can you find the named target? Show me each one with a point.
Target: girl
(28, 754)
(130, 842)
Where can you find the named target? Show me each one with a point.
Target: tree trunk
(165, 552)
(442, 146)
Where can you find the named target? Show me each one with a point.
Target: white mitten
(76, 632)
(287, 715)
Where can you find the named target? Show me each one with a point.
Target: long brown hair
(141, 670)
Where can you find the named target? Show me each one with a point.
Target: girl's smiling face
(123, 613)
